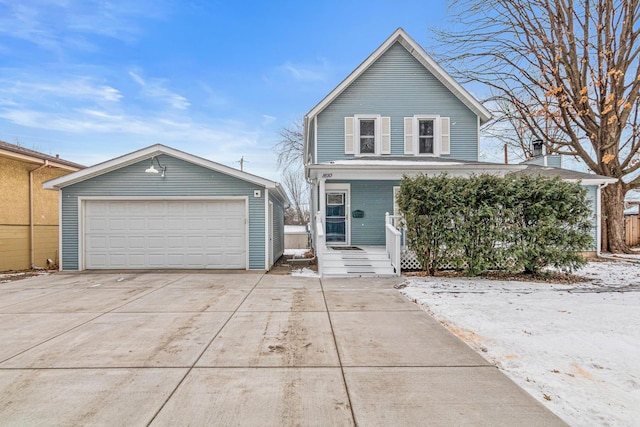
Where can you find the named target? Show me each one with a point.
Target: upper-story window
(370, 135)
(427, 135)
(367, 134)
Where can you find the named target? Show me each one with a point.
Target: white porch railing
(320, 241)
(393, 241)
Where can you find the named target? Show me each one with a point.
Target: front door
(337, 217)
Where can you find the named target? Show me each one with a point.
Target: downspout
(32, 248)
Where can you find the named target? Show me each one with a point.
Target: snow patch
(574, 347)
(304, 272)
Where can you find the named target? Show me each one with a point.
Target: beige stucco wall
(14, 215)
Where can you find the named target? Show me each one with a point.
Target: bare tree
(513, 130)
(290, 147)
(290, 162)
(296, 186)
(573, 64)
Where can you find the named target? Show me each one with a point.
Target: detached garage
(161, 208)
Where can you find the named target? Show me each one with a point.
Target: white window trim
(356, 134)
(437, 135)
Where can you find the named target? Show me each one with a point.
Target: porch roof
(395, 167)
(566, 175)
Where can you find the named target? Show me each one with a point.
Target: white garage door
(165, 234)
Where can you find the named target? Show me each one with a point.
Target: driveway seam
(193, 365)
(83, 323)
(335, 342)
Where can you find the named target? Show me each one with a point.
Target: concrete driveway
(181, 348)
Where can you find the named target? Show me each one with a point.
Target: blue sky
(91, 80)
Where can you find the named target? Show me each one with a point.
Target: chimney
(537, 148)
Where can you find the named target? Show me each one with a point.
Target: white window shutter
(445, 135)
(408, 135)
(349, 123)
(385, 135)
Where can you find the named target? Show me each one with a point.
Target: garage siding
(278, 226)
(182, 179)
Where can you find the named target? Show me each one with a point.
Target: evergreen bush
(486, 222)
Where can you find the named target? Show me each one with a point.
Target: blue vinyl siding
(398, 86)
(374, 198)
(592, 193)
(183, 179)
(278, 226)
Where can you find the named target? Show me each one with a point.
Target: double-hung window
(367, 135)
(427, 135)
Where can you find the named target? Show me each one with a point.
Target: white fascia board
(461, 93)
(421, 55)
(146, 153)
(593, 181)
(382, 172)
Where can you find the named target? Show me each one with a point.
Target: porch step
(357, 271)
(345, 263)
(334, 255)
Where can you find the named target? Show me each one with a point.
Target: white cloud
(155, 89)
(58, 25)
(306, 73)
(267, 119)
(73, 88)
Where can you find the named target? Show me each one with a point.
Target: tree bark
(613, 218)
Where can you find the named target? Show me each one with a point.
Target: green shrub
(486, 222)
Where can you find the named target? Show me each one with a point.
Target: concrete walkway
(202, 349)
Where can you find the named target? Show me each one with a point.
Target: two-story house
(399, 113)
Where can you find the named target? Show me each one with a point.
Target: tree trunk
(613, 218)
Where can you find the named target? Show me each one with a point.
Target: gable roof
(155, 150)
(421, 55)
(17, 152)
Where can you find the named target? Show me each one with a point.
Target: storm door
(336, 217)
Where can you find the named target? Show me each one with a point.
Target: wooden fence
(632, 230)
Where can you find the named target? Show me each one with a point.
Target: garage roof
(155, 150)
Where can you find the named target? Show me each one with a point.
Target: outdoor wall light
(151, 169)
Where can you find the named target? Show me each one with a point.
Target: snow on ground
(304, 272)
(297, 253)
(574, 347)
(10, 277)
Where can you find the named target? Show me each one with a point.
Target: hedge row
(486, 222)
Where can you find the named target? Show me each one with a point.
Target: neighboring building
(631, 217)
(161, 208)
(28, 214)
(631, 202)
(399, 113)
(296, 237)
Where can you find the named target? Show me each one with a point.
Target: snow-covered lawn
(575, 347)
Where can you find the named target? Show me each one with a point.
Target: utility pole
(241, 161)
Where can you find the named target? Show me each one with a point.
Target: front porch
(361, 260)
(356, 261)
